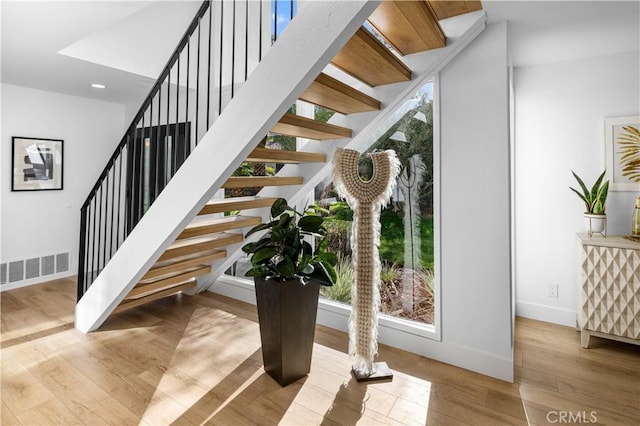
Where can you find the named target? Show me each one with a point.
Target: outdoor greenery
(416, 126)
(341, 289)
(391, 235)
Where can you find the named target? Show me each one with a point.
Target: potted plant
(595, 201)
(288, 273)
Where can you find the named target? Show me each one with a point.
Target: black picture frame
(36, 164)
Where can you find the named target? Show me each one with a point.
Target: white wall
(475, 199)
(559, 127)
(47, 222)
(476, 287)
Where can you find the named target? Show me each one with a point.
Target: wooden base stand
(381, 372)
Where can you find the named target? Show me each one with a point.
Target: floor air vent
(45, 267)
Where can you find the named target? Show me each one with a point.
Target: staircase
(177, 230)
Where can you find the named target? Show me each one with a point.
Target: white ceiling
(543, 32)
(64, 46)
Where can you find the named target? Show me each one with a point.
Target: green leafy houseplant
(596, 198)
(282, 253)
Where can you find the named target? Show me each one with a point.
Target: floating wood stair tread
(188, 246)
(447, 9)
(327, 92)
(254, 181)
(132, 303)
(220, 224)
(182, 263)
(266, 155)
(145, 287)
(409, 26)
(303, 127)
(236, 203)
(367, 59)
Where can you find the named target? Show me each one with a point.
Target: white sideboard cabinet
(609, 289)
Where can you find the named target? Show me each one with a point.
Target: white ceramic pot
(595, 223)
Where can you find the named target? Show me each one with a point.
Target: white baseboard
(35, 281)
(546, 313)
(333, 315)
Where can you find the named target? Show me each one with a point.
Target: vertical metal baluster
(93, 237)
(209, 69)
(166, 133)
(233, 49)
(87, 251)
(141, 149)
(155, 148)
(221, 55)
(113, 203)
(137, 175)
(291, 12)
(128, 193)
(175, 130)
(186, 113)
(119, 204)
(105, 220)
(246, 39)
(88, 246)
(81, 253)
(99, 230)
(275, 22)
(198, 83)
(129, 182)
(143, 163)
(260, 33)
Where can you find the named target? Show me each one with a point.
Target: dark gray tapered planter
(287, 317)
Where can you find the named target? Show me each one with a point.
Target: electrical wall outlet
(552, 290)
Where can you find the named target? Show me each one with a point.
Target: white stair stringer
(311, 40)
(367, 127)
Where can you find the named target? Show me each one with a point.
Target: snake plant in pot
(595, 200)
(288, 273)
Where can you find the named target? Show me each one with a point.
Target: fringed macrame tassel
(366, 200)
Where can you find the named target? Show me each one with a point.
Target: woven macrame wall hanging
(366, 198)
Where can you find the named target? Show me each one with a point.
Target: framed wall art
(36, 164)
(622, 152)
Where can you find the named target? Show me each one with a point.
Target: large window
(407, 231)
(407, 223)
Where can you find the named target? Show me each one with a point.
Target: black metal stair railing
(218, 51)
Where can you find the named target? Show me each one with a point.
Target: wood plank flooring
(196, 360)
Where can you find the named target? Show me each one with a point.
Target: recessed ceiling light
(98, 86)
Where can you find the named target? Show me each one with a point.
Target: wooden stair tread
(367, 59)
(327, 92)
(197, 244)
(409, 26)
(132, 303)
(447, 8)
(220, 224)
(145, 287)
(303, 127)
(267, 155)
(171, 266)
(254, 181)
(236, 203)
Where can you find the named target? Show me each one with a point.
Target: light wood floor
(194, 360)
